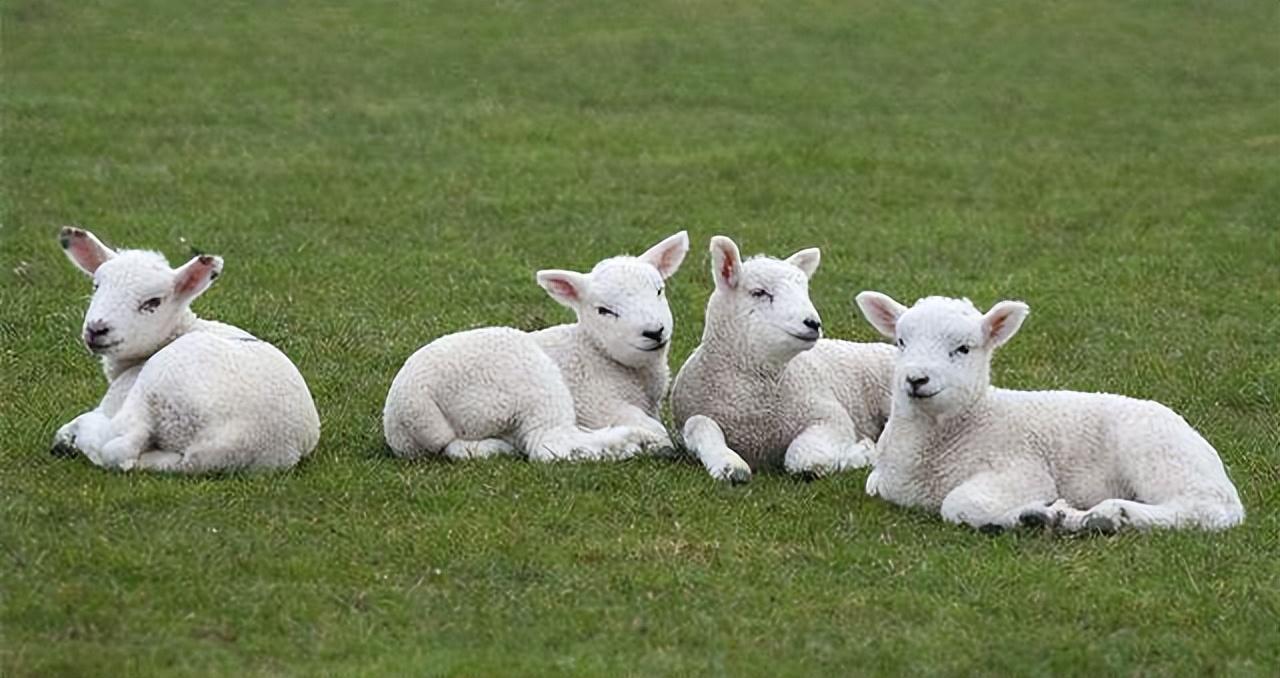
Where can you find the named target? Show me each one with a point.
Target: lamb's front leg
(993, 501)
(703, 437)
(65, 440)
(822, 449)
(115, 442)
(648, 432)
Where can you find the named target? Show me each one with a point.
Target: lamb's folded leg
(648, 432)
(993, 501)
(64, 441)
(826, 448)
(704, 438)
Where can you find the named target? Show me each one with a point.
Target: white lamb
(589, 390)
(763, 389)
(993, 458)
(185, 395)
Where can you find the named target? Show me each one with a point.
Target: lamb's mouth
(806, 338)
(99, 348)
(656, 347)
(923, 396)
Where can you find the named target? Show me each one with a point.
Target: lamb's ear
(881, 311)
(195, 276)
(667, 255)
(566, 287)
(806, 260)
(726, 263)
(1002, 321)
(83, 248)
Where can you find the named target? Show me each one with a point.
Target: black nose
(95, 331)
(654, 335)
(917, 382)
(813, 324)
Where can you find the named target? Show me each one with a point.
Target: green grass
(381, 174)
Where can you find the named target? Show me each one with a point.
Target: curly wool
(995, 458)
(185, 395)
(753, 395)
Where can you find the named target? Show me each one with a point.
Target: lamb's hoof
(991, 528)
(63, 449)
(1100, 524)
(734, 475)
(1034, 519)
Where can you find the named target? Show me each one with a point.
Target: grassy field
(379, 174)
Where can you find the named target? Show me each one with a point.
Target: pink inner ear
(86, 253)
(563, 288)
(726, 268)
(193, 277)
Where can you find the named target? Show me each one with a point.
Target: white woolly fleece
(589, 390)
(763, 389)
(185, 395)
(993, 458)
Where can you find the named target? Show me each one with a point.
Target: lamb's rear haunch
(993, 458)
(587, 390)
(184, 395)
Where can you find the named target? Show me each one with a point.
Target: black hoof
(1034, 519)
(739, 476)
(63, 450)
(1100, 525)
(991, 528)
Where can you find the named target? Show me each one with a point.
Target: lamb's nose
(917, 382)
(95, 331)
(654, 335)
(813, 324)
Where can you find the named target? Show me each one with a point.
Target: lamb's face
(765, 299)
(622, 303)
(138, 300)
(945, 347)
(625, 309)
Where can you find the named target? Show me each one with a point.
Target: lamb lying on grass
(993, 458)
(185, 395)
(589, 390)
(763, 389)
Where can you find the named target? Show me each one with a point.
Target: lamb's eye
(901, 343)
(659, 291)
(606, 311)
(759, 293)
(95, 287)
(150, 305)
(962, 350)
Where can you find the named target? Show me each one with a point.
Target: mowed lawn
(380, 174)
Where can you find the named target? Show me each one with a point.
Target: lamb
(993, 458)
(185, 395)
(764, 389)
(587, 390)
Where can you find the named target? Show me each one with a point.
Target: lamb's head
(622, 303)
(944, 346)
(138, 303)
(763, 303)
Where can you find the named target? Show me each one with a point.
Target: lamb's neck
(186, 324)
(947, 426)
(735, 354)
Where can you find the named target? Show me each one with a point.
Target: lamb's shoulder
(859, 376)
(601, 386)
(558, 342)
(759, 416)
